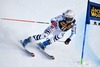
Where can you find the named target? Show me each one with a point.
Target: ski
(40, 49)
(45, 53)
(27, 51)
(30, 53)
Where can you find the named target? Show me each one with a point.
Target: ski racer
(59, 25)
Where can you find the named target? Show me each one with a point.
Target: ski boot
(44, 44)
(25, 42)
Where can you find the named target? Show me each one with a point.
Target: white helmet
(69, 15)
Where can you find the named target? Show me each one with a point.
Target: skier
(59, 25)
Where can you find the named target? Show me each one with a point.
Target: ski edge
(48, 55)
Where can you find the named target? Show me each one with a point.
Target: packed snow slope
(12, 53)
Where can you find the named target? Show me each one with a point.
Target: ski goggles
(69, 19)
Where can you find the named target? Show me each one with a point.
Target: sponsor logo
(95, 11)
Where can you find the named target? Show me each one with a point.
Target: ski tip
(32, 54)
(52, 57)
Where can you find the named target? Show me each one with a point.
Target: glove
(67, 41)
(53, 24)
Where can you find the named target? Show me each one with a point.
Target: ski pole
(11, 19)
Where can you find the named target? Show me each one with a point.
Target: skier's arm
(55, 20)
(73, 31)
(53, 24)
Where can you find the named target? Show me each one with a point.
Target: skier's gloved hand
(67, 41)
(53, 24)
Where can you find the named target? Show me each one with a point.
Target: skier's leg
(34, 38)
(48, 31)
(57, 35)
(45, 34)
(30, 39)
(45, 43)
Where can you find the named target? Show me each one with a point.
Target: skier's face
(69, 20)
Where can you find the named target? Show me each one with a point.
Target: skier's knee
(44, 35)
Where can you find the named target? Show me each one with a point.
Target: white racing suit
(57, 31)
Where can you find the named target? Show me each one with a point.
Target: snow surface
(12, 53)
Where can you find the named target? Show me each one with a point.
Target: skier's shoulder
(74, 20)
(73, 23)
(58, 18)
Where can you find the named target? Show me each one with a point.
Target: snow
(13, 55)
